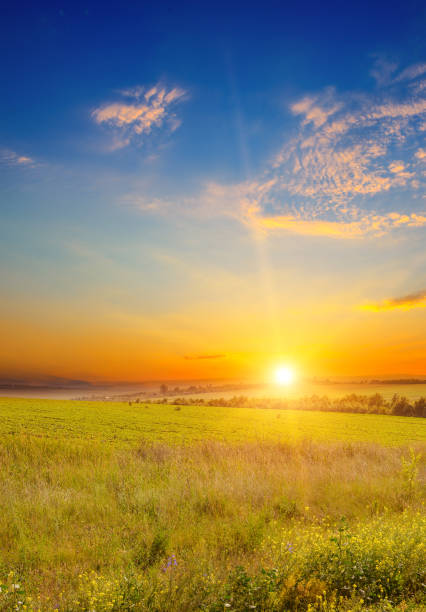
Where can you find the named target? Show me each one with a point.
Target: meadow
(111, 506)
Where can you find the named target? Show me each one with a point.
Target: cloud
(314, 113)
(350, 156)
(383, 70)
(410, 73)
(10, 158)
(140, 112)
(406, 302)
(192, 357)
(351, 169)
(371, 224)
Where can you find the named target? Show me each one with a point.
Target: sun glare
(284, 375)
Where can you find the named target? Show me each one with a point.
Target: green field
(106, 506)
(119, 423)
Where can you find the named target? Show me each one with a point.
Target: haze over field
(212, 191)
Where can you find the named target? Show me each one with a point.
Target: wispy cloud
(353, 168)
(405, 302)
(192, 357)
(339, 165)
(313, 113)
(11, 158)
(139, 111)
(410, 73)
(383, 70)
(340, 175)
(387, 72)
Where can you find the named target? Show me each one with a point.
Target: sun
(284, 375)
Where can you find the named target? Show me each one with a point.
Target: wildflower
(171, 562)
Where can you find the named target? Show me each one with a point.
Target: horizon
(52, 382)
(212, 192)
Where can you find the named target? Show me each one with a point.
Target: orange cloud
(151, 108)
(195, 357)
(310, 227)
(313, 112)
(406, 302)
(349, 156)
(374, 225)
(11, 158)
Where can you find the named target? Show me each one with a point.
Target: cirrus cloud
(141, 111)
(353, 168)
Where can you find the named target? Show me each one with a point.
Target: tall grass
(273, 510)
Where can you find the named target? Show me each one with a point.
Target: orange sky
(217, 339)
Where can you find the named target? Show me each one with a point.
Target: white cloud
(148, 109)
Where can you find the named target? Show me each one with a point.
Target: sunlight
(284, 375)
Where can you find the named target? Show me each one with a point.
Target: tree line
(363, 404)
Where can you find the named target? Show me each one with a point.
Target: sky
(205, 190)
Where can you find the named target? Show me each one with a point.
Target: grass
(103, 508)
(121, 424)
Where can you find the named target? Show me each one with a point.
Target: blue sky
(155, 160)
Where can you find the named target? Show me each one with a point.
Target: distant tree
(420, 407)
(376, 400)
(164, 388)
(400, 406)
